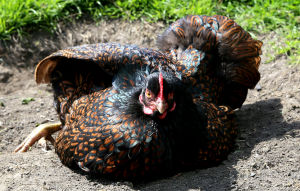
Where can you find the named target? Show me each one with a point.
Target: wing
(77, 71)
(109, 57)
(214, 54)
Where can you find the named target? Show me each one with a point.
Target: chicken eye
(148, 94)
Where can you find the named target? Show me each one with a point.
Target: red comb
(161, 87)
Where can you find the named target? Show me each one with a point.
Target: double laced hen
(131, 112)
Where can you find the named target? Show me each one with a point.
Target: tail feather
(229, 50)
(189, 32)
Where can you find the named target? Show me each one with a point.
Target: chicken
(130, 112)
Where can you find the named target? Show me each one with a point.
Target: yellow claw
(44, 130)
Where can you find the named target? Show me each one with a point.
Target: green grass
(15, 15)
(21, 16)
(256, 16)
(153, 10)
(280, 16)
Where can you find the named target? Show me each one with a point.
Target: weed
(27, 100)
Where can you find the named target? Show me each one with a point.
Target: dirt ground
(267, 153)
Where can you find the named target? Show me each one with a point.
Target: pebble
(258, 87)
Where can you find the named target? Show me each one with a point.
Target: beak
(161, 106)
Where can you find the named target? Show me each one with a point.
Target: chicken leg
(44, 130)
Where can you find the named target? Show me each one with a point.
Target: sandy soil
(267, 153)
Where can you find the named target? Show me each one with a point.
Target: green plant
(27, 100)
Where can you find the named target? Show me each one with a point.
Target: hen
(131, 112)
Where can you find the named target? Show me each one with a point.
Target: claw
(44, 144)
(44, 130)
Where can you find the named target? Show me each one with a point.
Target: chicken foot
(42, 131)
